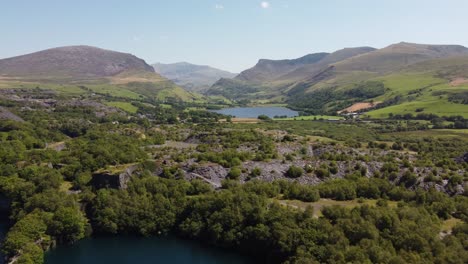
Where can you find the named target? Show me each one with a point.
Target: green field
(422, 93)
(128, 107)
(114, 90)
(328, 202)
(436, 133)
(65, 89)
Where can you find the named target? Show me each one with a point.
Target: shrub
(294, 172)
(256, 172)
(234, 173)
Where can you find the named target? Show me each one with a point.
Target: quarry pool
(128, 249)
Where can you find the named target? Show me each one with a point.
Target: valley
(367, 164)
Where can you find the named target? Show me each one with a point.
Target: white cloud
(265, 4)
(219, 7)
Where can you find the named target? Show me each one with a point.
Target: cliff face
(116, 179)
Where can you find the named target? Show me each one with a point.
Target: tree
(68, 225)
(264, 117)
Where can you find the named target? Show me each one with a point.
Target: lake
(129, 250)
(254, 112)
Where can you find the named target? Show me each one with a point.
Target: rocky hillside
(190, 76)
(296, 69)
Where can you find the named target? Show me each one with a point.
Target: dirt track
(359, 106)
(459, 81)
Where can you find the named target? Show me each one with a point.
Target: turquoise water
(130, 250)
(253, 112)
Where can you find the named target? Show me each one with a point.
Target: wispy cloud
(136, 38)
(219, 7)
(265, 4)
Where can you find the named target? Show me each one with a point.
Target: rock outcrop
(114, 177)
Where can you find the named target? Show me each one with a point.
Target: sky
(231, 35)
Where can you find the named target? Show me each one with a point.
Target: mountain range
(405, 76)
(192, 77)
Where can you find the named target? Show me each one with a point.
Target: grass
(449, 224)
(161, 89)
(319, 205)
(128, 107)
(64, 89)
(417, 91)
(434, 133)
(166, 106)
(320, 139)
(114, 90)
(431, 105)
(115, 169)
(65, 186)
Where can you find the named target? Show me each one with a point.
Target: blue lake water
(254, 112)
(130, 250)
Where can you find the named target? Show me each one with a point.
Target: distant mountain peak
(192, 77)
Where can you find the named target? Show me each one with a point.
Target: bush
(264, 117)
(322, 173)
(256, 172)
(294, 172)
(234, 173)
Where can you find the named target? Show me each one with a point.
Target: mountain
(99, 70)
(190, 76)
(405, 77)
(266, 70)
(268, 79)
(399, 55)
(72, 62)
(296, 69)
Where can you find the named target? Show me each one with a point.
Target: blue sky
(232, 34)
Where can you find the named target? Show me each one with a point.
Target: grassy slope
(328, 202)
(128, 85)
(415, 85)
(426, 85)
(66, 89)
(124, 106)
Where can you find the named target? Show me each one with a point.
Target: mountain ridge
(398, 74)
(193, 77)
